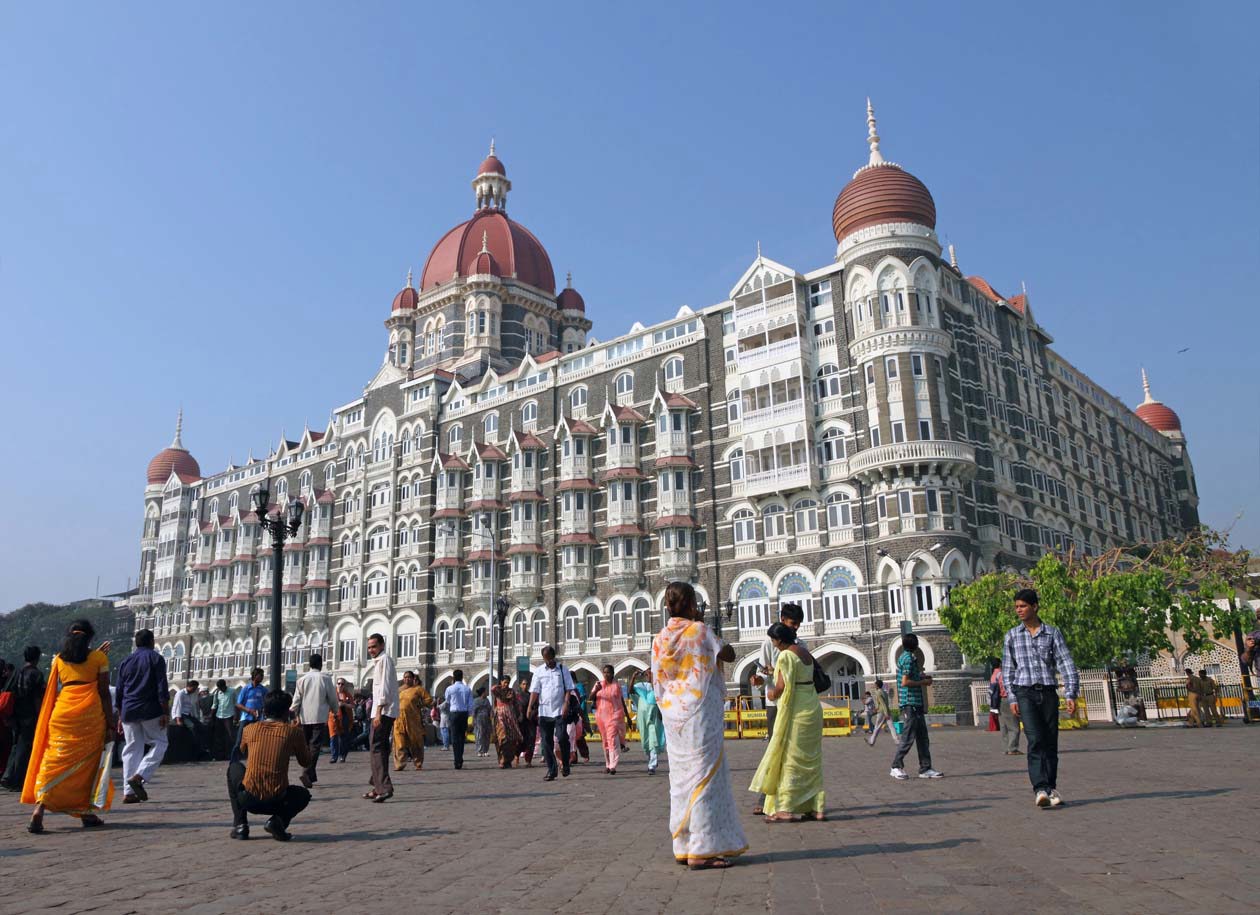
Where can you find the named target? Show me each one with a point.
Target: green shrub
(940, 710)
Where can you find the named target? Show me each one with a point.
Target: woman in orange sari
(70, 758)
(341, 721)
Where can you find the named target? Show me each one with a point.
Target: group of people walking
(678, 704)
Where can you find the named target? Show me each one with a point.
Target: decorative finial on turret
(409, 286)
(492, 146)
(872, 137)
(953, 258)
(179, 430)
(758, 249)
(485, 243)
(1146, 387)
(568, 280)
(1023, 287)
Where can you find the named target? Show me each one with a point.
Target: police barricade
(731, 724)
(837, 721)
(753, 723)
(632, 728)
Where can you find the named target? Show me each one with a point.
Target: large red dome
(176, 459)
(1159, 417)
(879, 194)
(514, 249)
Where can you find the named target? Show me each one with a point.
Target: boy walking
(1033, 652)
(914, 730)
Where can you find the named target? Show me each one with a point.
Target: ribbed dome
(514, 249)
(407, 298)
(880, 194)
(174, 457)
(1159, 417)
(491, 166)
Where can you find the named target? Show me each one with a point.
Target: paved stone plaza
(1160, 821)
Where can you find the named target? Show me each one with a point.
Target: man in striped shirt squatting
(1031, 655)
(261, 785)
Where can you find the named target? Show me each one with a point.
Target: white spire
(758, 249)
(409, 278)
(1146, 388)
(953, 258)
(568, 280)
(492, 146)
(485, 243)
(179, 430)
(872, 138)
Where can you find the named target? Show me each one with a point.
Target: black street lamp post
(501, 607)
(281, 527)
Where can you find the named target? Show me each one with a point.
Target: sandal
(382, 798)
(91, 821)
(779, 818)
(36, 826)
(709, 864)
(370, 796)
(758, 810)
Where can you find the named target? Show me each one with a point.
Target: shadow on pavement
(852, 851)
(1151, 795)
(368, 835)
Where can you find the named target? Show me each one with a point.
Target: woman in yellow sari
(70, 758)
(690, 689)
(790, 774)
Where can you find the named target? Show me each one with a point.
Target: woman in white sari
(689, 685)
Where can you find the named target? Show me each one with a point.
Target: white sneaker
(1055, 800)
(930, 773)
(898, 774)
(1043, 799)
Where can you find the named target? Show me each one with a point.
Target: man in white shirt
(458, 701)
(549, 691)
(313, 698)
(384, 711)
(184, 713)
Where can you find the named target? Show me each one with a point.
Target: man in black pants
(261, 784)
(459, 703)
(549, 691)
(28, 694)
(1033, 652)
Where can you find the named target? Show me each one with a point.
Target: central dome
(881, 192)
(490, 242)
(515, 250)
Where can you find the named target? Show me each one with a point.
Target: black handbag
(822, 682)
(571, 702)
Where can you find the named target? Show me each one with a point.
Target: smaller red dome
(173, 459)
(485, 265)
(570, 299)
(1159, 417)
(406, 299)
(492, 166)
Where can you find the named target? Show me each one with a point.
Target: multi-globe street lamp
(281, 527)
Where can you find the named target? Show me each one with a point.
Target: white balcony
(592, 645)
(777, 546)
(450, 497)
(483, 489)
(835, 626)
(792, 411)
(619, 643)
(766, 316)
(839, 536)
(377, 601)
(622, 456)
(625, 569)
(746, 550)
(772, 354)
(572, 648)
(575, 522)
(935, 456)
(524, 479)
(577, 579)
(927, 618)
(446, 595)
(524, 531)
(622, 512)
(524, 586)
(575, 467)
(810, 540)
(673, 444)
(678, 564)
(642, 641)
(778, 479)
(673, 502)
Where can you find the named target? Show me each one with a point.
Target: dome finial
(759, 249)
(409, 286)
(872, 138)
(568, 280)
(179, 430)
(492, 146)
(1146, 387)
(485, 243)
(953, 258)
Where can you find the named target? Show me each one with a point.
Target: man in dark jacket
(28, 696)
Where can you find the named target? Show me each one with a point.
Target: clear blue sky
(188, 189)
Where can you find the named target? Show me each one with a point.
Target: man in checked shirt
(1032, 653)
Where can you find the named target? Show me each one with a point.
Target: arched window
(539, 625)
(828, 381)
(753, 598)
(795, 589)
(840, 595)
(737, 465)
(282, 492)
(529, 414)
(578, 397)
(459, 631)
(774, 517)
(492, 424)
(233, 501)
(443, 636)
(673, 368)
(620, 618)
(624, 385)
(592, 622)
(304, 485)
(572, 623)
(831, 446)
(330, 475)
(480, 633)
(454, 437)
(806, 516)
(839, 512)
(745, 523)
(642, 616)
(520, 629)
